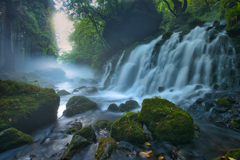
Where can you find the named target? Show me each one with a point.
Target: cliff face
(132, 25)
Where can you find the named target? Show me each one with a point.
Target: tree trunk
(9, 55)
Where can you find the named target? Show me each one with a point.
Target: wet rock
(79, 104)
(181, 154)
(216, 23)
(197, 87)
(13, 138)
(82, 80)
(86, 90)
(77, 144)
(105, 148)
(223, 102)
(128, 128)
(161, 89)
(102, 124)
(166, 121)
(233, 153)
(215, 87)
(128, 106)
(113, 107)
(109, 126)
(63, 93)
(235, 124)
(88, 133)
(197, 131)
(71, 130)
(224, 86)
(77, 125)
(199, 100)
(93, 82)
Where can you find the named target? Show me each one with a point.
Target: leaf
(147, 144)
(160, 157)
(10, 119)
(230, 158)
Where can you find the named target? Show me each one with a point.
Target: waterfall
(180, 63)
(107, 71)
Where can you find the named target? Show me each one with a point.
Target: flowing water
(186, 69)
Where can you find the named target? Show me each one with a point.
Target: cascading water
(180, 65)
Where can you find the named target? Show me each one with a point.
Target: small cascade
(196, 58)
(107, 71)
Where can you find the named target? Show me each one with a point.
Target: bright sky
(63, 29)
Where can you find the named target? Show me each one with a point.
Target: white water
(180, 66)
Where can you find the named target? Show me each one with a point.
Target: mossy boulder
(128, 128)
(235, 124)
(166, 121)
(102, 124)
(86, 90)
(27, 107)
(197, 130)
(13, 138)
(105, 148)
(77, 125)
(233, 153)
(79, 104)
(109, 125)
(223, 102)
(76, 145)
(71, 130)
(92, 90)
(88, 133)
(113, 107)
(128, 106)
(63, 93)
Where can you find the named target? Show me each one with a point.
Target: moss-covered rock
(235, 124)
(233, 153)
(105, 148)
(128, 106)
(77, 125)
(12, 138)
(109, 125)
(71, 130)
(128, 128)
(63, 93)
(77, 144)
(88, 133)
(166, 121)
(79, 104)
(167, 35)
(223, 102)
(197, 130)
(102, 124)
(113, 107)
(26, 107)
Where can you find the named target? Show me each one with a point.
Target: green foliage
(88, 133)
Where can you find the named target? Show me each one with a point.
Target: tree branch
(170, 8)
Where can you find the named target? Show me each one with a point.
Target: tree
(178, 8)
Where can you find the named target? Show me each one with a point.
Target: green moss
(113, 107)
(166, 121)
(79, 104)
(128, 128)
(167, 35)
(105, 148)
(88, 133)
(233, 153)
(71, 130)
(223, 101)
(102, 124)
(109, 126)
(12, 138)
(235, 124)
(27, 107)
(128, 106)
(77, 125)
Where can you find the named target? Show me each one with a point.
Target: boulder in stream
(102, 124)
(86, 90)
(26, 107)
(79, 104)
(128, 106)
(105, 148)
(166, 121)
(63, 93)
(13, 138)
(113, 107)
(128, 128)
